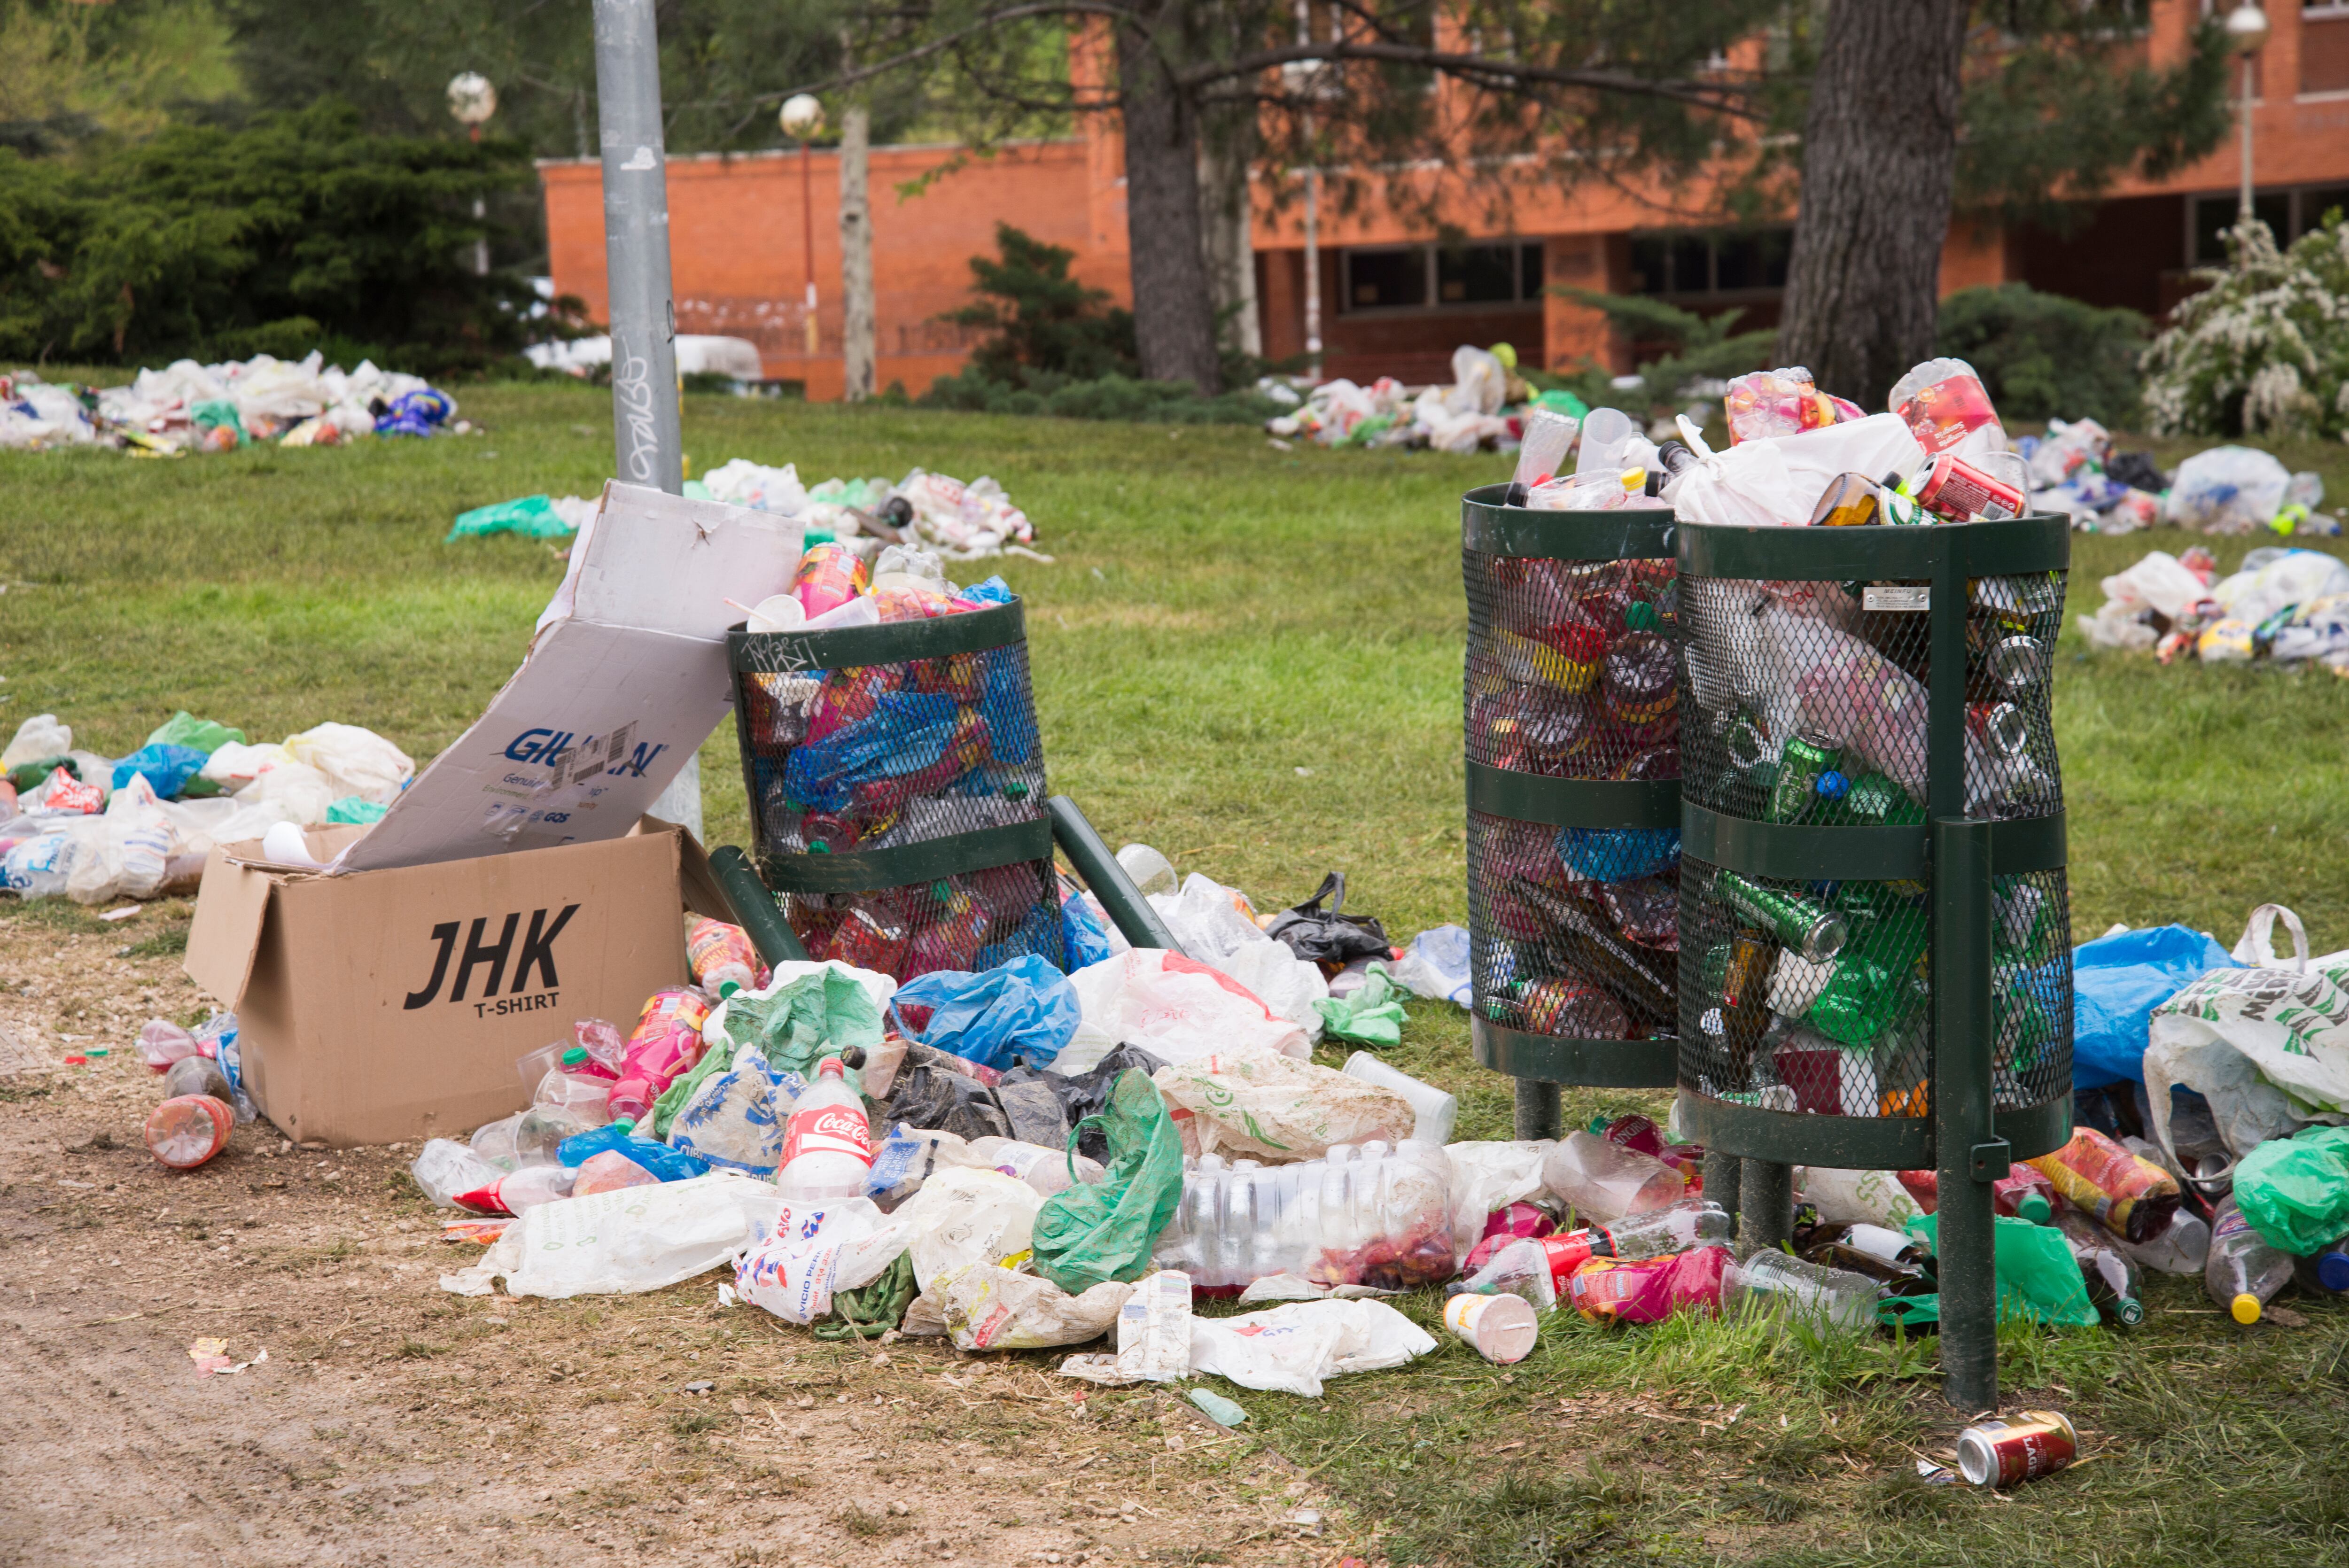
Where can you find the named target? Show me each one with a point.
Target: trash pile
(2283, 606)
(94, 829)
(961, 522)
(1471, 413)
(190, 408)
(2226, 489)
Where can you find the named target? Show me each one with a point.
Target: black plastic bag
(1327, 936)
(2138, 471)
(939, 1100)
(1079, 1095)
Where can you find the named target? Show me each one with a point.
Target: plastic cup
(188, 1130)
(1500, 1328)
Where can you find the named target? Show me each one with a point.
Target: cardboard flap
(221, 944)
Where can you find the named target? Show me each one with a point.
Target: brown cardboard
(351, 1028)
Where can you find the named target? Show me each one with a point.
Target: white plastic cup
(1434, 1110)
(1500, 1328)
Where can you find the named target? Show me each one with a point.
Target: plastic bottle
(2111, 1275)
(720, 955)
(1676, 1227)
(1152, 872)
(1541, 453)
(2327, 1270)
(1605, 1181)
(528, 1187)
(1824, 1297)
(188, 1130)
(1434, 1110)
(1948, 409)
(197, 1075)
(608, 1172)
(2244, 1272)
(2182, 1247)
(444, 1168)
(162, 1042)
(666, 1041)
(2024, 1195)
(830, 575)
(1376, 1215)
(1530, 1267)
(827, 1144)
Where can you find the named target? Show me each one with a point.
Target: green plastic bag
(2296, 1190)
(1102, 1231)
(1372, 1015)
(2037, 1275)
(184, 728)
(532, 516)
(217, 414)
(870, 1311)
(798, 1024)
(354, 809)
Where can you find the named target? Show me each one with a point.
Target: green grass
(1222, 615)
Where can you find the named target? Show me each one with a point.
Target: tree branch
(1725, 99)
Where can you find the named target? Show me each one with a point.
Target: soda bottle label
(829, 1129)
(1945, 413)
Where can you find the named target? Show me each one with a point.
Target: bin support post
(1969, 1153)
(1724, 1182)
(754, 908)
(1766, 1191)
(1536, 1109)
(1120, 899)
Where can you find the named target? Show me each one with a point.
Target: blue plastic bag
(1618, 854)
(168, 769)
(668, 1164)
(2118, 982)
(1025, 1008)
(1082, 933)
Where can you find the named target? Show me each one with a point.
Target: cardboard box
(625, 677)
(389, 1004)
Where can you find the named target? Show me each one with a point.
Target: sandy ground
(395, 1423)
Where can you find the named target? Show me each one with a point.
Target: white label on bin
(1884, 596)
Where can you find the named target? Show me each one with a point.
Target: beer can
(1795, 790)
(1956, 489)
(2000, 1453)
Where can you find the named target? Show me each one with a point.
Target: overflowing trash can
(1876, 959)
(1572, 739)
(895, 778)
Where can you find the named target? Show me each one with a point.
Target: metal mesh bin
(1573, 732)
(896, 786)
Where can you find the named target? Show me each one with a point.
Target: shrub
(1044, 322)
(2043, 356)
(2264, 350)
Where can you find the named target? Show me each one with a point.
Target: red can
(1956, 489)
(1996, 1454)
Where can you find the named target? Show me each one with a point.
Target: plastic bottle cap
(574, 1056)
(727, 989)
(2035, 1208)
(624, 1123)
(2245, 1308)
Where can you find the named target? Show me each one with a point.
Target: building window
(1737, 262)
(1417, 277)
(2288, 214)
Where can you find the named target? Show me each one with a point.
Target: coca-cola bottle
(827, 1143)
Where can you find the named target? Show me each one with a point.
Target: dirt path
(394, 1423)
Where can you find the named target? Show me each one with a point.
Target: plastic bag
(1435, 965)
(38, 736)
(806, 1012)
(1329, 936)
(2037, 1275)
(1081, 1095)
(1649, 1290)
(1779, 482)
(986, 1306)
(1289, 987)
(628, 1241)
(2228, 490)
(734, 1118)
(1103, 1231)
(2117, 983)
(1021, 1010)
(1175, 1007)
(2296, 1190)
(355, 761)
(928, 1095)
(532, 516)
(1844, 1197)
(1258, 1105)
(967, 1216)
(813, 1249)
(184, 728)
(1371, 1016)
(168, 769)
(1487, 1177)
(1293, 1348)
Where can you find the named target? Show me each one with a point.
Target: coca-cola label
(829, 1129)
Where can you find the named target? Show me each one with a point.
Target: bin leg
(1137, 921)
(1766, 1191)
(1969, 1153)
(1724, 1182)
(1537, 1109)
(754, 908)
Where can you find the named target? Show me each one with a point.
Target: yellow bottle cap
(2246, 1308)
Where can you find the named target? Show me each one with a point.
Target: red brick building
(1393, 303)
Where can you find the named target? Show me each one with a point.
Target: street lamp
(2247, 29)
(802, 116)
(471, 101)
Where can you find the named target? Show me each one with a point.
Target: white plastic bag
(2272, 579)
(627, 1240)
(1489, 1176)
(1293, 1348)
(1435, 965)
(1762, 483)
(815, 1248)
(1859, 1197)
(966, 1217)
(1261, 1105)
(2228, 490)
(1176, 1008)
(1287, 984)
(355, 761)
(38, 737)
(985, 1307)
(2268, 1045)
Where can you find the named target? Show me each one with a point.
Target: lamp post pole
(802, 116)
(471, 101)
(2247, 29)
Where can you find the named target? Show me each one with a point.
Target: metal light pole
(471, 101)
(2247, 29)
(647, 442)
(1312, 213)
(802, 116)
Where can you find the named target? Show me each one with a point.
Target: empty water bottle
(1376, 1215)
(197, 1075)
(2181, 1247)
(2244, 1272)
(1774, 1282)
(1675, 1228)
(444, 1168)
(1605, 1180)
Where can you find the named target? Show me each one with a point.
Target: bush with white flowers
(2264, 350)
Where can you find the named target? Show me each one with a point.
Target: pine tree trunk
(1879, 161)
(856, 253)
(1174, 318)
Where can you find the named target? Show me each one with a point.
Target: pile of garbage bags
(2283, 606)
(94, 829)
(1475, 412)
(190, 408)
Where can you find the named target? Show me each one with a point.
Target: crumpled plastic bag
(355, 761)
(985, 1307)
(2118, 982)
(734, 1118)
(1435, 965)
(1760, 484)
(1263, 1106)
(1294, 1348)
(2296, 1190)
(806, 1011)
(531, 516)
(1102, 1231)
(2037, 1277)
(1207, 918)
(1329, 935)
(184, 728)
(1175, 1007)
(2228, 490)
(1287, 985)
(966, 1217)
(1371, 1015)
(815, 1249)
(1022, 1009)
(627, 1240)
(167, 768)
(1486, 1177)
(41, 736)
(2271, 580)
